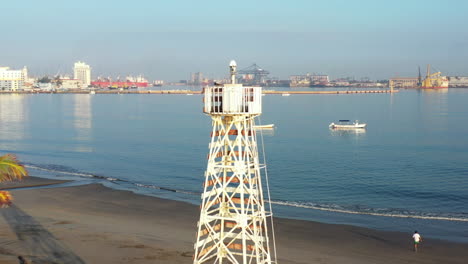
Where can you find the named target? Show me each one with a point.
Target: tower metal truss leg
(233, 220)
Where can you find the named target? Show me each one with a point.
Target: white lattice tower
(233, 220)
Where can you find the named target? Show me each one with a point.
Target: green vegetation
(44, 79)
(10, 169)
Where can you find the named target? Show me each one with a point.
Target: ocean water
(408, 170)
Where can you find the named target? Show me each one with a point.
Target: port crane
(256, 72)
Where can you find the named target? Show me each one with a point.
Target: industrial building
(299, 80)
(309, 80)
(68, 83)
(319, 80)
(405, 82)
(458, 81)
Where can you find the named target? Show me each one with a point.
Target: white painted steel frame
(233, 219)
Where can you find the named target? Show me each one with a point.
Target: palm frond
(11, 169)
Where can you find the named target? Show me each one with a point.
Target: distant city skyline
(171, 40)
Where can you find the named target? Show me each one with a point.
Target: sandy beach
(96, 224)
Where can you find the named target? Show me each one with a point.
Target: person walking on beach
(417, 239)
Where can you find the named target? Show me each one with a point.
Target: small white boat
(92, 92)
(285, 94)
(346, 124)
(269, 126)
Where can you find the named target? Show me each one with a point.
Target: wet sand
(29, 182)
(95, 224)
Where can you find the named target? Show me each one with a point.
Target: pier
(330, 92)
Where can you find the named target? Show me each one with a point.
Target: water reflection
(347, 132)
(266, 132)
(13, 119)
(434, 110)
(391, 106)
(436, 91)
(82, 112)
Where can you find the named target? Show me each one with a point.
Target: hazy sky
(170, 39)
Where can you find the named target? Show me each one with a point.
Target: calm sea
(408, 170)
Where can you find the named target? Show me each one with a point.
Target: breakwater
(189, 92)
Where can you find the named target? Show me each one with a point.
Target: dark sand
(94, 224)
(29, 182)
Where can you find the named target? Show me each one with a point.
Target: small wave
(150, 186)
(375, 212)
(60, 169)
(111, 179)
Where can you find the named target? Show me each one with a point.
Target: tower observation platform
(233, 99)
(233, 226)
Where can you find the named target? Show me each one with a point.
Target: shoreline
(133, 228)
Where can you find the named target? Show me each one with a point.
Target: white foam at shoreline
(345, 211)
(58, 171)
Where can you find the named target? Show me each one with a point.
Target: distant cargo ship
(434, 80)
(130, 82)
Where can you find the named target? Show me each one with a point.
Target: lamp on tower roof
(233, 68)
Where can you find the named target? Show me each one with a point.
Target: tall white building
(82, 71)
(12, 80)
